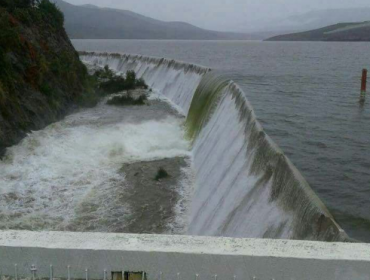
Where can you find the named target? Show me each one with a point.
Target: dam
(242, 178)
(235, 184)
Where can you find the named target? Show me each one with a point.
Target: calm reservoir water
(306, 97)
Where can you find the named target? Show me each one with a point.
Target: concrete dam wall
(245, 185)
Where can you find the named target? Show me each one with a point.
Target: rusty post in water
(363, 86)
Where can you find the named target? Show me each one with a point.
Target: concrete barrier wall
(88, 255)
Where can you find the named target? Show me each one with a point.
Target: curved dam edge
(245, 185)
(155, 72)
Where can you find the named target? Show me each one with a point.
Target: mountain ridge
(92, 22)
(316, 19)
(342, 32)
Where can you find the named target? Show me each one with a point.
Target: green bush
(4, 64)
(23, 4)
(161, 174)
(127, 100)
(9, 41)
(31, 11)
(9, 35)
(23, 15)
(12, 4)
(112, 84)
(46, 90)
(88, 99)
(130, 79)
(53, 13)
(91, 95)
(105, 73)
(141, 84)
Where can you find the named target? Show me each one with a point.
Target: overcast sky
(234, 15)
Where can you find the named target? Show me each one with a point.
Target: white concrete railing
(68, 255)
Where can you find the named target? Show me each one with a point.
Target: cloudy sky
(224, 14)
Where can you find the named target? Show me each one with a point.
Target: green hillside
(41, 75)
(343, 32)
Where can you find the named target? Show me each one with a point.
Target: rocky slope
(41, 75)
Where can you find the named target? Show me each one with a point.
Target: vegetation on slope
(352, 32)
(41, 75)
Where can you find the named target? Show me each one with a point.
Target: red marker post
(363, 86)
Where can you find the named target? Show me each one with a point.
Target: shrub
(131, 76)
(112, 84)
(141, 84)
(130, 79)
(23, 4)
(12, 4)
(23, 16)
(127, 100)
(103, 74)
(2, 95)
(9, 35)
(46, 90)
(50, 10)
(88, 99)
(161, 174)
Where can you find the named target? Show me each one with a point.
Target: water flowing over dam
(244, 184)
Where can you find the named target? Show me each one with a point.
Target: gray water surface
(306, 97)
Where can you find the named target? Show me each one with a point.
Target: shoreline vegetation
(108, 83)
(111, 83)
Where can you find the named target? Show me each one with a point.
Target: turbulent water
(245, 185)
(70, 176)
(66, 177)
(305, 94)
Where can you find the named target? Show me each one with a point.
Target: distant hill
(314, 20)
(91, 22)
(350, 32)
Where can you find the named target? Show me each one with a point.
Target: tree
(12, 4)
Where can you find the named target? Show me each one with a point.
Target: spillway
(244, 184)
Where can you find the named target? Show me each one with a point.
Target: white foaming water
(52, 173)
(244, 185)
(229, 202)
(185, 189)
